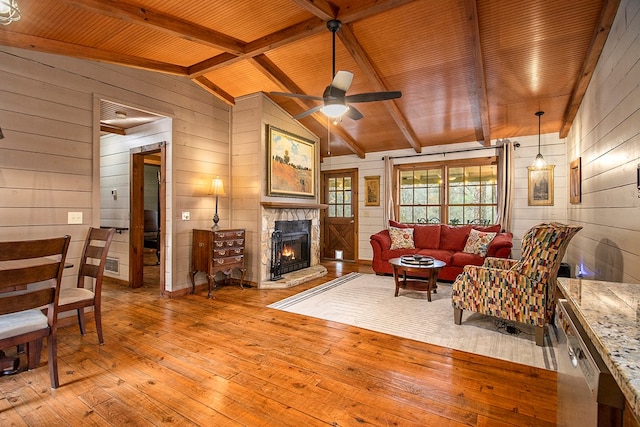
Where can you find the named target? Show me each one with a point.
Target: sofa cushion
(427, 236)
(397, 224)
(478, 242)
(396, 253)
(460, 259)
(440, 255)
(496, 228)
(453, 237)
(401, 238)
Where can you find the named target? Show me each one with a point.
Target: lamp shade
(217, 188)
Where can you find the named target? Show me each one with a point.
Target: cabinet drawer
(229, 234)
(228, 243)
(227, 252)
(228, 261)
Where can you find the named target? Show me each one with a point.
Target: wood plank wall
(251, 115)
(606, 136)
(47, 164)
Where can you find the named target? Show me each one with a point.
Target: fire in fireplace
(290, 247)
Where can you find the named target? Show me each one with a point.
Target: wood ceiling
(468, 70)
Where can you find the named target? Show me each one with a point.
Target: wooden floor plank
(232, 360)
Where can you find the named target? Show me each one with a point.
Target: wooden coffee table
(424, 283)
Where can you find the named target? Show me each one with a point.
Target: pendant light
(539, 162)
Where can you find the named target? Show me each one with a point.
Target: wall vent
(112, 265)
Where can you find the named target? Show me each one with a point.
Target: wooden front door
(340, 219)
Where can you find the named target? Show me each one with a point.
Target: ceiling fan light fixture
(334, 110)
(9, 12)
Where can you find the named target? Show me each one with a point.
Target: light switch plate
(186, 216)
(74, 217)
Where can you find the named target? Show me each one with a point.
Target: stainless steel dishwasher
(587, 392)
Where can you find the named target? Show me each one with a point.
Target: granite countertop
(610, 314)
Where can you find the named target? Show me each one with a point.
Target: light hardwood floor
(231, 361)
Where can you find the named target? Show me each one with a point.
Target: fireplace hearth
(290, 247)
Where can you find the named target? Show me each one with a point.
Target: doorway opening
(147, 216)
(130, 173)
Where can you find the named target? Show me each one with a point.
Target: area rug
(367, 301)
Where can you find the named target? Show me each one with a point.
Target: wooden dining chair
(94, 257)
(30, 277)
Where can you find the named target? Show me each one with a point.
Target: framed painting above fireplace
(291, 164)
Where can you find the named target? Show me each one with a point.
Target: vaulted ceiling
(468, 70)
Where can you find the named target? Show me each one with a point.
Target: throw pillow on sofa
(478, 242)
(401, 238)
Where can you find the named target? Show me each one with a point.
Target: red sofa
(441, 241)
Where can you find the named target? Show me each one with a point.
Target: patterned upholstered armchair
(518, 290)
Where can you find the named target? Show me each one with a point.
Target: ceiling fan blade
(372, 96)
(308, 112)
(342, 80)
(297, 95)
(353, 113)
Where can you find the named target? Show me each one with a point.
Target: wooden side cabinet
(219, 251)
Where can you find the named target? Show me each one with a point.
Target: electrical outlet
(186, 216)
(74, 217)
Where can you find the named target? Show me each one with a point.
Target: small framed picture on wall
(372, 190)
(575, 182)
(541, 186)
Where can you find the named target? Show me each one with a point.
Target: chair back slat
(91, 270)
(28, 249)
(94, 252)
(47, 257)
(20, 276)
(94, 256)
(19, 301)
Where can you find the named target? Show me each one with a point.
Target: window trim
(444, 165)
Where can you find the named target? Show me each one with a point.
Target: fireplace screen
(290, 247)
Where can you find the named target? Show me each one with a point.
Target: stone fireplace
(285, 216)
(290, 247)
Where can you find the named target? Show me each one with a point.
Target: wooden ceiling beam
(357, 52)
(296, 32)
(214, 89)
(112, 129)
(320, 8)
(276, 75)
(135, 14)
(600, 34)
(271, 41)
(482, 98)
(358, 10)
(39, 44)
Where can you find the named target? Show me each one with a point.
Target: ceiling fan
(335, 100)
